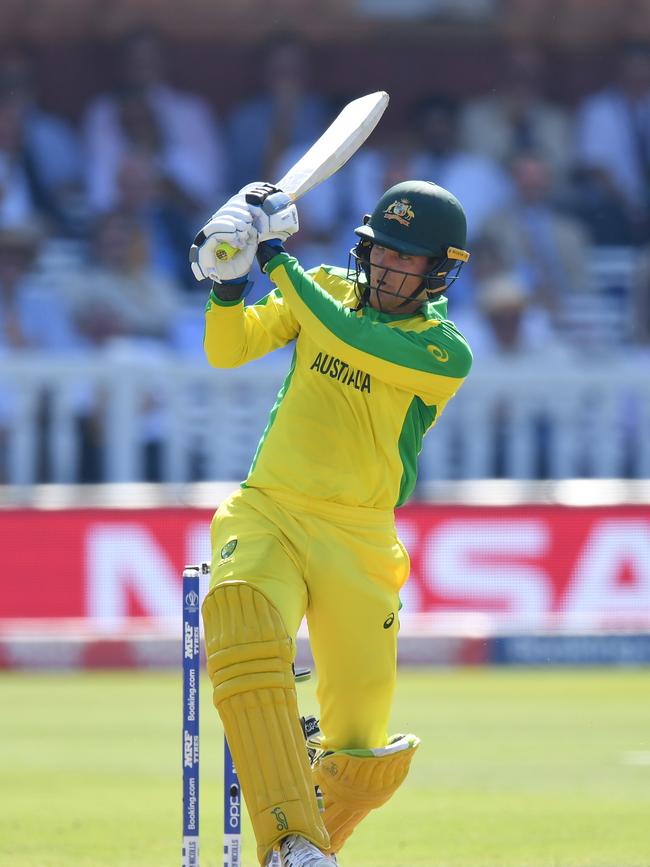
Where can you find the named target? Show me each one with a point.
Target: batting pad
(354, 782)
(249, 659)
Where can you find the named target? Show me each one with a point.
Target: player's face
(393, 279)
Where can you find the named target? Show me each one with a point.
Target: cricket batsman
(311, 531)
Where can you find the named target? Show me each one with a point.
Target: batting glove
(231, 224)
(274, 214)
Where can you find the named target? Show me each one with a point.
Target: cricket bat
(343, 137)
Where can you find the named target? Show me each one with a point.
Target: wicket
(231, 811)
(232, 804)
(191, 674)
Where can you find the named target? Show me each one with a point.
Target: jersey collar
(435, 309)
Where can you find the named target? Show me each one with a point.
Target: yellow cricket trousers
(343, 568)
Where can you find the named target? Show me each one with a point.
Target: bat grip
(225, 251)
(271, 205)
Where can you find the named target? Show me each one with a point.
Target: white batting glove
(274, 214)
(231, 224)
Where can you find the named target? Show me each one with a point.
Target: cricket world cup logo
(191, 600)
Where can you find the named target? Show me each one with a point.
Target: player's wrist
(232, 290)
(268, 250)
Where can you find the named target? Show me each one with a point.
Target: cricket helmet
(417, 218)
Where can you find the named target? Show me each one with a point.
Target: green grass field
(516, 769)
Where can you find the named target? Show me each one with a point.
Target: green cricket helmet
(416, 218)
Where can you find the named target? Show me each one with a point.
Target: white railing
(519, 420)
(535, 419)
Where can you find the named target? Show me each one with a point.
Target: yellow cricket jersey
(362, 390)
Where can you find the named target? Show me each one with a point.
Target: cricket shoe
(298, 852)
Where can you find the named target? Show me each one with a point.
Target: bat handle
(225, 251)
(271, 205)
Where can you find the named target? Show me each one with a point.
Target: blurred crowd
(96, 218)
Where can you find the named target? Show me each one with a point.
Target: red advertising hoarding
(520, 566)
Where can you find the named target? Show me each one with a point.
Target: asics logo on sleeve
(439, 354)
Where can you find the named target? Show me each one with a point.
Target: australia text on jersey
(331, 366)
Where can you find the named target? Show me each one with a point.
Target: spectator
(17, 201)
(506, 321)
(286, 111)
(124, 310)
(129, 297)
(433, 153)
(477, 180)
(512, 328)
(158, 220)
(517, 116)
(32, 318)
(514, 324)
(487, 260)
(613, 150)
(547, 249)
(376, 168)
(599, 206)
(179, 127)
(45, 147)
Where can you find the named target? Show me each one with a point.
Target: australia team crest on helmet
(401, 211)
